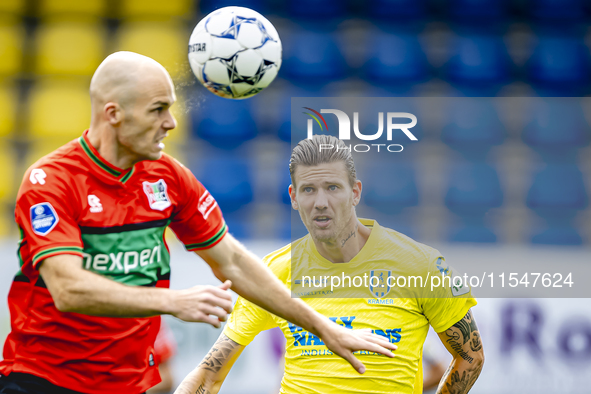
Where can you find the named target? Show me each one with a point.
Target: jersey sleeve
(247, 321)
(198, 220)
(46, 214)
(447, 304)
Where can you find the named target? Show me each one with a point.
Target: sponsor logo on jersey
(43, 218)
(37, 176)
(376, 301)
(303, 338)
(157, 195)
(459, 288)
(95, 204)
(442, 270)
(123, 262)
(206, 204)
(381, 288)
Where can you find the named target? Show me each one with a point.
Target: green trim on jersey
(209, 242)
(97, 159)
(126, 177)
(136, 257)
(20, 246)
(61, 249)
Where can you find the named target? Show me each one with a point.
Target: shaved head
(117, 79)
(130, 96)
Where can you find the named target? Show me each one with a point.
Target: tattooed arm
(209, 375)
(462, 340)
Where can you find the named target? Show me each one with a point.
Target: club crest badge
(381, 288)
(43, 218)
(157, 195)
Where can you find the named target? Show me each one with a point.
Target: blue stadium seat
(284, 110)
(403, 223)
(395, 59)
(560, 63)
(388, 90)
(389, 187)
(557, 235)
(478, 59)
(468, 10)
(224, 123)
(557, 125)
(227, 177)
(240, 223)
(313, 57)
(564, 235)
(557, 10)
(557, 191)
(289, 225)
(474, 126)
(369, 119)
(316, 9)
(473, 189)
(473, 233)
(397, 9)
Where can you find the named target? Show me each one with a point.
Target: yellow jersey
(310, 368)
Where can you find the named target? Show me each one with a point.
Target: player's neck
(347, 246)
(108, 147)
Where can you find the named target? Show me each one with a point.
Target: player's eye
(332, 187)
(308, 190)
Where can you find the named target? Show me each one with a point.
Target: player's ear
(357, 186)
(294, 203)
(113, 113)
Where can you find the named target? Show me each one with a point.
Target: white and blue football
(235, 52)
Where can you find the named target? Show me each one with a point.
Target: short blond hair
(308, 153)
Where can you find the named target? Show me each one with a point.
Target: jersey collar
(106, 167)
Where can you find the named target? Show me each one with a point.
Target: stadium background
(529, 187)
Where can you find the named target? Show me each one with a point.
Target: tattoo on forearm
(220, 351)
(453, 383)
(201, 390)
(455, 380)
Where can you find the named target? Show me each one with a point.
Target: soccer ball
(235, 52)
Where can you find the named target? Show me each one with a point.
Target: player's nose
(321, 202)
(169, 122)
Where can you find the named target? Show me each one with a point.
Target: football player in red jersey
(92, 216)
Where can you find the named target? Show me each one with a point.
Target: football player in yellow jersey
(325, 191)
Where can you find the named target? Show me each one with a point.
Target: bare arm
(462, 340)
(75, 289)
(255, 282)
(208, 377)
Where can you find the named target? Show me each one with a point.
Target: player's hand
(207, 304)
(344, 342)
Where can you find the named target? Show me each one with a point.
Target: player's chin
(323, 235)
(155, 155)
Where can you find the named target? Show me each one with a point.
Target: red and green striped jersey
(74, 202)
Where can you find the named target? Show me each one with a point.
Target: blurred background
(487, 178)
